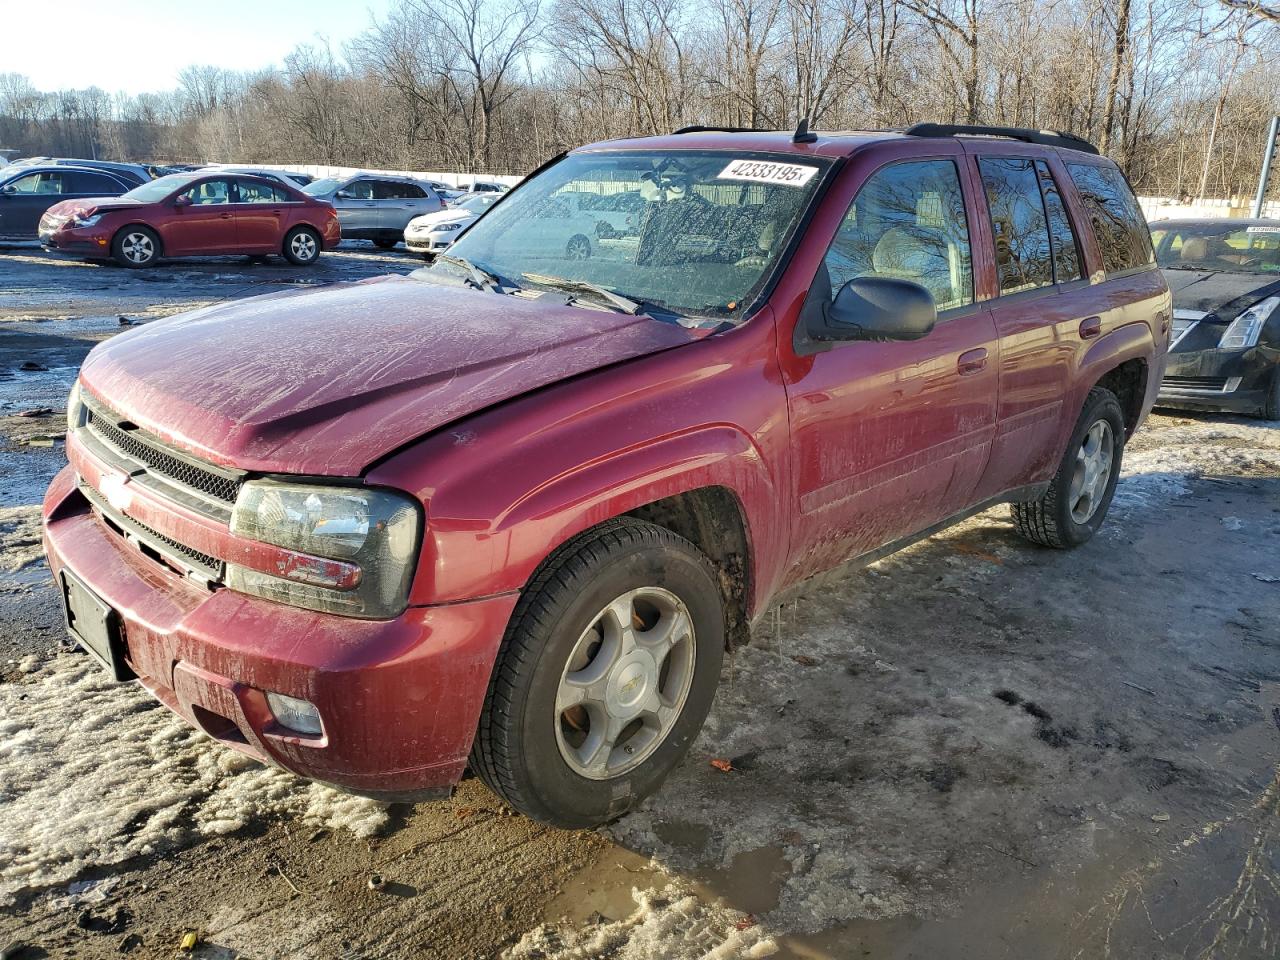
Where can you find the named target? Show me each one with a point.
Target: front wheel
(1271, 406)
(605, 675)
(1073, 508)
(136, 247)
(578, 248)
(301, 246)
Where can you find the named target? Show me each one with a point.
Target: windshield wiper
(625, 304)
(480, 279)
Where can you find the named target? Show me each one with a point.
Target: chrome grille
(203, 487)
(1196, 383)
(156, 459)
(188, 560)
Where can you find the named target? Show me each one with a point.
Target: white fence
(319, 171)
(1169, 208)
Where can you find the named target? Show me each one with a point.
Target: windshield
(319, 188)
(477, 204)
(697, 233)
(1218, 246)
(159, 189)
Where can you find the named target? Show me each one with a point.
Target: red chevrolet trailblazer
(508, 511)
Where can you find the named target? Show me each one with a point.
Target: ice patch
(673, 925)
(1233, 523)
(94, 772)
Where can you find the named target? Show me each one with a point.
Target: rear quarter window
(1118, 224)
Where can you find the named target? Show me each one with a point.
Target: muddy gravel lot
(974, 748)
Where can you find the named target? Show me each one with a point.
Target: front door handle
(1090, 327)
(972, 361)
(225, 216)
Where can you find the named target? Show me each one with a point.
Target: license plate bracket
(94, 625)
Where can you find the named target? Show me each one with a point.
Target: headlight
(377, 530)
(75, 409)
(86, 221)
(1246, 328)
(449, 226)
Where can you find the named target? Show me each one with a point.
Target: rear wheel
(1073, 508)
(605, 675)
(135, 247)
(301, 246)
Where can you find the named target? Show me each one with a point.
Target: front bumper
(64, 238)
(400, 699)
(429, 243)
(1216, 379)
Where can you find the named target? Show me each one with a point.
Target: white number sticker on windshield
(1262, 229)
(761, 171)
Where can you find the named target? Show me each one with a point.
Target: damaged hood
(79, 208)
(1219, 292)
(327, 381)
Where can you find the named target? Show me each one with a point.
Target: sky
(136, 46)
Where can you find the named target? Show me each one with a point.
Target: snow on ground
(1169, 451)
(93, 773)
(19, 538)
(673, 924)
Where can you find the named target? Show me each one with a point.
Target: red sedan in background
(194, 214)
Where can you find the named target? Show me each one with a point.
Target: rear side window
(394, 190)
(1019, 226)
(1118, 223)
(98, 183)
(1035, 244)
(1066, 249)
(908, 222)
(256, 191)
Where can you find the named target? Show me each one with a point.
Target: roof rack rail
(698, 128)
(1047, 138)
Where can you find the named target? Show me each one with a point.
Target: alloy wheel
(303, 246)
(137, 248)
(1092, 472)
(625, 683)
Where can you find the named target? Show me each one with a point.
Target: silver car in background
(288, 177)
(376, 207)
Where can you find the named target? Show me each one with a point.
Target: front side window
(1118, 223)
(908, 221)
(1024, 259)
(38, 183)
(209, 192)
(357, 190)
(710, 229)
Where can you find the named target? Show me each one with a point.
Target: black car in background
(1225, 280)
(26, 192)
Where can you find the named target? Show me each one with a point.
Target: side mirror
(8, 188)
(343, 195)
(182, 200)
(879, 308)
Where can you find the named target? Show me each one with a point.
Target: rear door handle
(972, 361)
(1090, 327)
(225, 216)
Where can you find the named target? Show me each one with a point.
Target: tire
(1068, 515)
(535, 752)
(385, 244)
(578, 247)
(301, 246)
(1271, 407)
(135, 247)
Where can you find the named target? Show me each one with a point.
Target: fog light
(299, 715)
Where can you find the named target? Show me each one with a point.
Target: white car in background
(433, 232)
